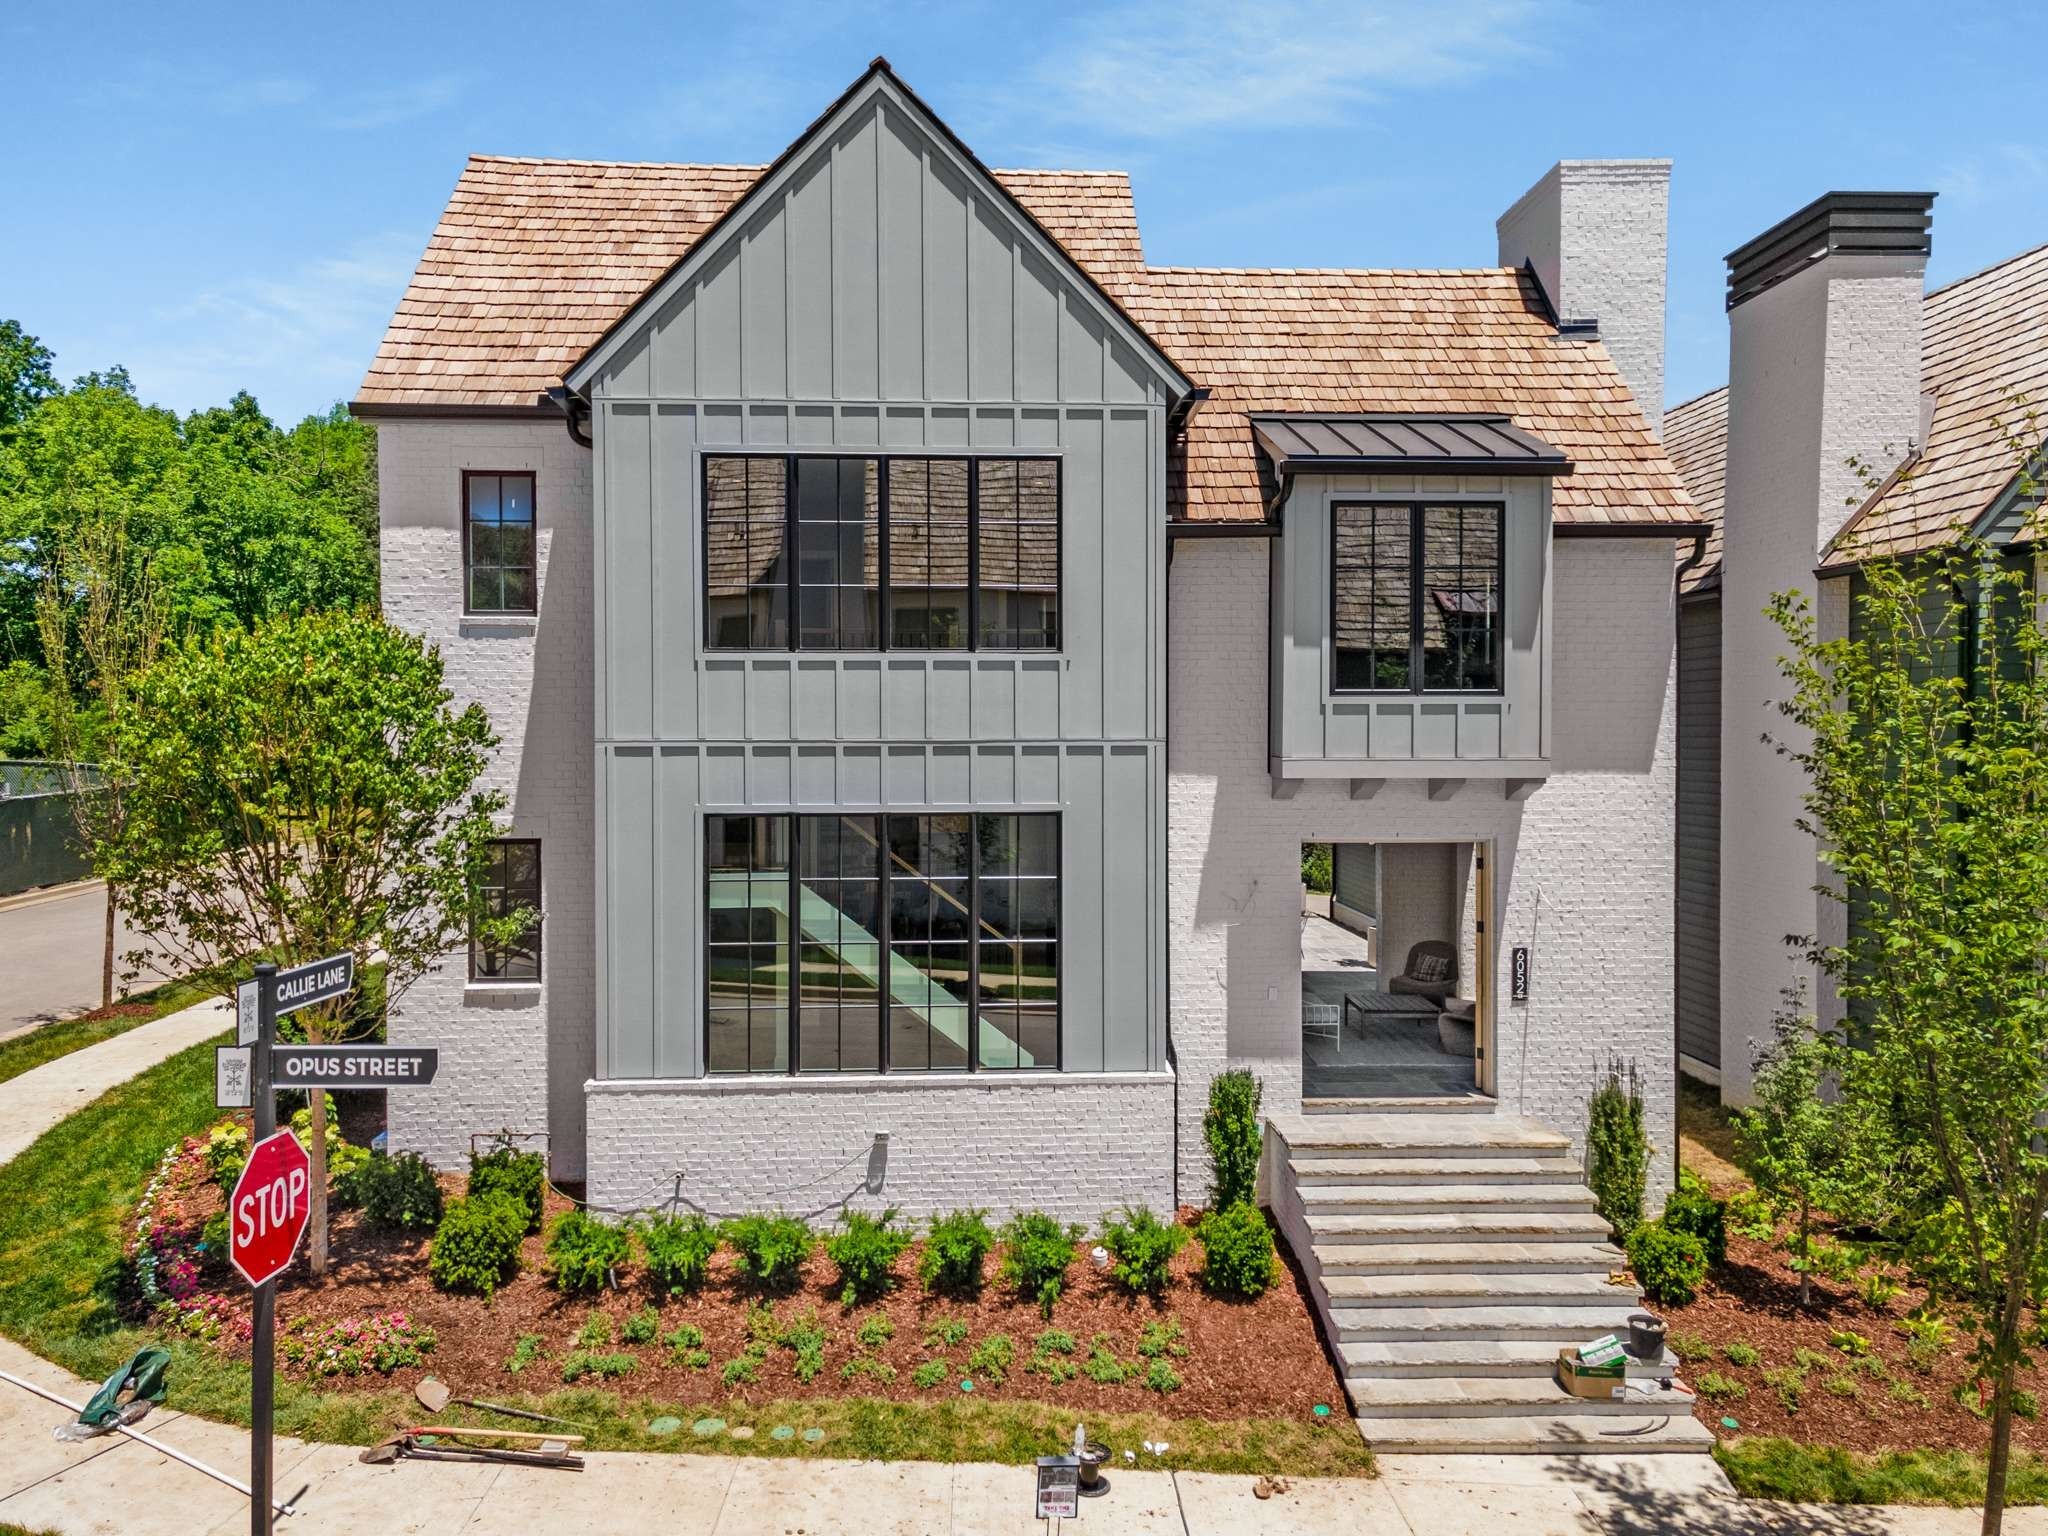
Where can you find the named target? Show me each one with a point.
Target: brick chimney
(1824, 313)
(1594, 230)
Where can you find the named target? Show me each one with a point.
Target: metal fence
(38, 839)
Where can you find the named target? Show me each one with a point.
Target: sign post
(263, 1345)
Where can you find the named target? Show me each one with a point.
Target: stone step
(1494, 1290)
(1367, 1168)
(1559, 1324)
(1507, 1225)
(1477, 1397)
(1323, 1199)
(1449, 1104)
(1452, 1357)
(1344, 1257)
(1421, 1135)
(1536, 1434)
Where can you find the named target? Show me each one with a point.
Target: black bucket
(1645, 1336)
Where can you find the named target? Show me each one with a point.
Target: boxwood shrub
(769, 1250)
(398, 1193)
(1237, 1252)
(476, 1246)
(506, 1170)
(954, 1249)
(678, 1250)
(1141, 1247)
(584, 1253)
(1669, 1265)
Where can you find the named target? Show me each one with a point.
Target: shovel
(434, 1395)
(405, 1447)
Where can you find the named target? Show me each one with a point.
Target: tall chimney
(1824, 315)
(1594, 230)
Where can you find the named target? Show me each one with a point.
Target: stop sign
(267, 1211)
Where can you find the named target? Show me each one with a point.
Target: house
(1863, 416)
(924, 635)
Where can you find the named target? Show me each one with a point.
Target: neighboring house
(924, 636)
(1863, 417)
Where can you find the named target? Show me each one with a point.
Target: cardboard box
(1608, 1379)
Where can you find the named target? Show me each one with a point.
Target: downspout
(1176, 440)
(1689, 563)
(570, 405)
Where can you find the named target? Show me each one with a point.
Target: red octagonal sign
(268, 1210)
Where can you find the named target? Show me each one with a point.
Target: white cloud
(298, 341)
(1166, 68)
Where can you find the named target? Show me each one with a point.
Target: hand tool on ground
(434, 1395)
(408, 1448)
(477, 1432)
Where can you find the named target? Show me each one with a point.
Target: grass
(1769, 1468)
(64, 1205)
(41, 1046)
(1706, 1135)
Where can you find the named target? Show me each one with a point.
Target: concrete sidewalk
(33, 1102)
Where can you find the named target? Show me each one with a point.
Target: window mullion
(1415, 678)
(885, 960)
(796, 943)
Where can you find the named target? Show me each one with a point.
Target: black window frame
(885, 940)
(476, 973)
(1418, 596)
(532, 568)
(793, 585)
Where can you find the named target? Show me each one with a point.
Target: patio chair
(1431, 971)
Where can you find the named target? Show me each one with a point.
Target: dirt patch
(384, 1272)
(116, 1011)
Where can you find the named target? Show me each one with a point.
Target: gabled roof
(1344, 341)
(1984, 359)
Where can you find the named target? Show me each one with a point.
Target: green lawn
(25, 1052)
(64, 1203)
(1769, 1468)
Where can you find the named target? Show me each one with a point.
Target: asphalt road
(50, 947)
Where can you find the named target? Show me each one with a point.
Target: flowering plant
(378, 1341)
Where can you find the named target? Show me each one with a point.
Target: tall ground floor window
(892, 943)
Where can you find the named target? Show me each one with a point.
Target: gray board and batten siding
(877, 294)
(1699, 829)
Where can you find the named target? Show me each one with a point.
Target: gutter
(569, 404)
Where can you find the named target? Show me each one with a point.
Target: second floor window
(497, 543)
(829, 553)
(1416, 597)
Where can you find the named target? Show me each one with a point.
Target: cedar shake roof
(1373, 341)
(1696, 437)
(534, 260)
(1984, 359)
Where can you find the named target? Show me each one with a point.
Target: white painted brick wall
(511, 1057)
(1076, 1145)
(1586, 863)
(1596, 232)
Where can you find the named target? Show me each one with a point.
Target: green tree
(301, 788)
(1923, 736)
(25, 373)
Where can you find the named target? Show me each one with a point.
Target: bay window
(1416, 597)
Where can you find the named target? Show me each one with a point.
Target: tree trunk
(107, 951)
(316, 1224)
(1805, 1258)
(2001, 1445)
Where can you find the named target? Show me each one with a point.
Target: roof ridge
(638, 165)
(1982, 272)
(1055, 170)
(1338, 271)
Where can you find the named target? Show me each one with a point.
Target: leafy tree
(25, 373)
(1923, 736)
(301, 788)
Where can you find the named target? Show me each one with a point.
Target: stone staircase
(1451, 1256)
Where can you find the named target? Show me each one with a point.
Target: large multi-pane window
(905, 553)
(497, 543)
(865, 943)
(1416, 597)
(511, 885)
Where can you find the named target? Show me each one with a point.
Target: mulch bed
(1754, 1300)
(115, 1011)
(1262, 1359)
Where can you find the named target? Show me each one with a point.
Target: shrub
(1842, 1384)
(1742, 1354)
(1693, 1209)
(1316, 872)
(1716, 1388)
(1618, 1152)
(596, 1332)
(1036, 1253)
(525, 1352)
(1787, 1382)
(1237, 1252)
(990, 1359)
(930, 1374)
(582, 1251)
(683, 1338)
(1160, 1340)
(1878, 1290)
(584, 1362)
(1689, 1347)
(400, 1193)
(678, 1250)
(945, 1333)
(1102, 1364)
(213, 1236)
(476, 1246)
(1142, 1248)
(769, 1250)
(641, 1327)
(506, 1170)
(1232, 1128)
(227, 1149)
(865, 1252)
(745, 1368)
(1849, 1343)
(874, 1332)
(1748, 1214)
(1160, 1376)
(1669, 1266)
(953, 1252)
(805, 1339)
(1048, 1356)
(345, 1165)
(867, 1365)
(1055, 1341)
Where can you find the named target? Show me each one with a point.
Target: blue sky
(227, 197)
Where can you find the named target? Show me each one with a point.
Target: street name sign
(353, 1066)
(315, 982)
(268, 1210)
